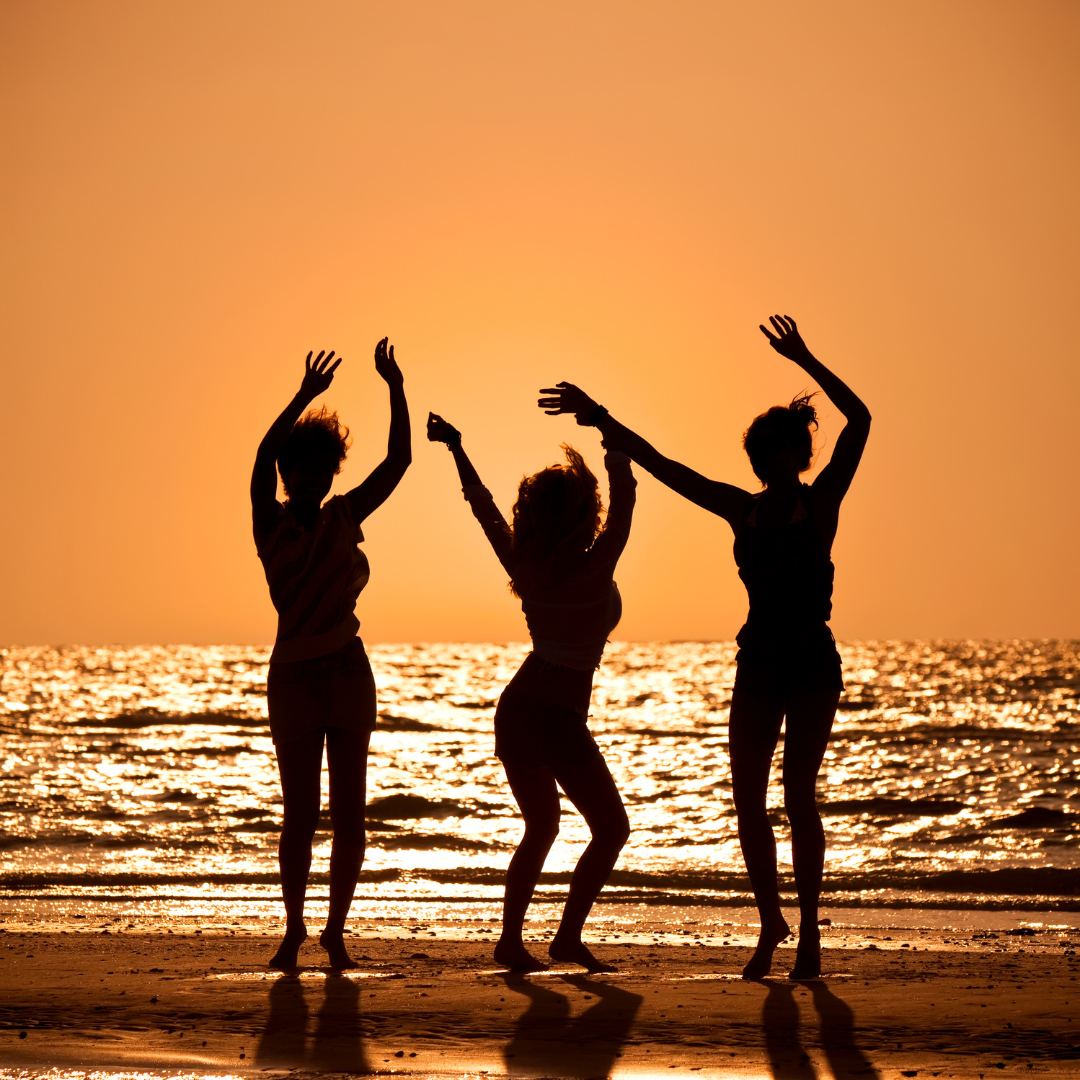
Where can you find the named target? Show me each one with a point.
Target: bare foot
(575, 952)
(515, 957)
(807, 955)
(761, 962)
(334, 944)
(289, 949)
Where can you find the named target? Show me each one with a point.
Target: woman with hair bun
(320, 687)
(787, 665)
(560, 559)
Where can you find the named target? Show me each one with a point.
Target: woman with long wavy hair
(788, 669)
(560, 560)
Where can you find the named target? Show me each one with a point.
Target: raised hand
(438, 430)
(318, 374)
(567, 398)
(787, 341)
(386, 365)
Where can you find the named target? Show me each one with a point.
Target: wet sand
(204, 1002)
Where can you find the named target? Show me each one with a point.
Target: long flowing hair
(556, 518)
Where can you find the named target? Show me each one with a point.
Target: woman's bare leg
(538, 797)
(346, 759)
(810, 715)
(753, 731)
(300, 766)
(593, 792)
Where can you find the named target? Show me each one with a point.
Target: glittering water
(147, 774)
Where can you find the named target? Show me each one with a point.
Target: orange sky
(193, 194)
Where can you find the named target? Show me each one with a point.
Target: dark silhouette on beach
(560, 560)
(320, 688)
(787, 665)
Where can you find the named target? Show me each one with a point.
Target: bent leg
(346, 759)
(299, 765)
(536, 794)
(753, 731)
(810, 715)
(593, 792)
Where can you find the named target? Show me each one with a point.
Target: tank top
(573, 634)
(787, 571)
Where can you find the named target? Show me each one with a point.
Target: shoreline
(910, 1000)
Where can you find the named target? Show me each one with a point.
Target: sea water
(144, 780)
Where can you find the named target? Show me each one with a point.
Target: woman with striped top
(320, 687)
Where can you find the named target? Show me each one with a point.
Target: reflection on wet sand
(783, 1043)
(336, 1044)
(548, 1040)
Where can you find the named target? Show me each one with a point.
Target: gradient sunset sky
(193, 194)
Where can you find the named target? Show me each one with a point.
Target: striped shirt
(315, 577)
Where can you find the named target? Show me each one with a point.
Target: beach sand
(427, 1007)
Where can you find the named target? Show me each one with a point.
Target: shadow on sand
(335, 1044)
(783, 1043)
(549, 1041)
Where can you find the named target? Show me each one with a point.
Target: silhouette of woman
(788, 665)
(560, 561)
(320, 686)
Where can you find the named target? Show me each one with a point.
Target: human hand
(318, 374)
(386, 365)
(787, 341)
(568, 399)
(438, 430)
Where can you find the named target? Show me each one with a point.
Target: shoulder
(337, 512)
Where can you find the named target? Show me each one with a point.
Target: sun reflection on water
(149, 771)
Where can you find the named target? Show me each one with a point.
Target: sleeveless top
(573, 635)
(787, 571)
(315, 577)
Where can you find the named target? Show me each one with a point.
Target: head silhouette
(312, 456)
(557, 516)
(780, 441)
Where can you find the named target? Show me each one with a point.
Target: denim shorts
(332, 691)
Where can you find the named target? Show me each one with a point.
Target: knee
(542, 834)
(299, 826)
(615, 832)
(349, 826)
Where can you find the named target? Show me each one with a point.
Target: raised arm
(318, 375)
(834, 480)
(724, 500)
(478, 497)
(622, 495)
(368, 496)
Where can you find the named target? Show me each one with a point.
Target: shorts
(779, 664)
(332, 691)
(542, 718)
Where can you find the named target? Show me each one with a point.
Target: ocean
(140, 783)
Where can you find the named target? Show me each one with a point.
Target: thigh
(535, 792)
(591, 788)
(753, 732)
(300, 768)
(346, 762)
(810, 716)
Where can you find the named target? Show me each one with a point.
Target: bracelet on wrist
(596, 416)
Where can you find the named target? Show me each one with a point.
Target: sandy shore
(204, 1002)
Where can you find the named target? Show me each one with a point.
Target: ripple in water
(953, 775)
